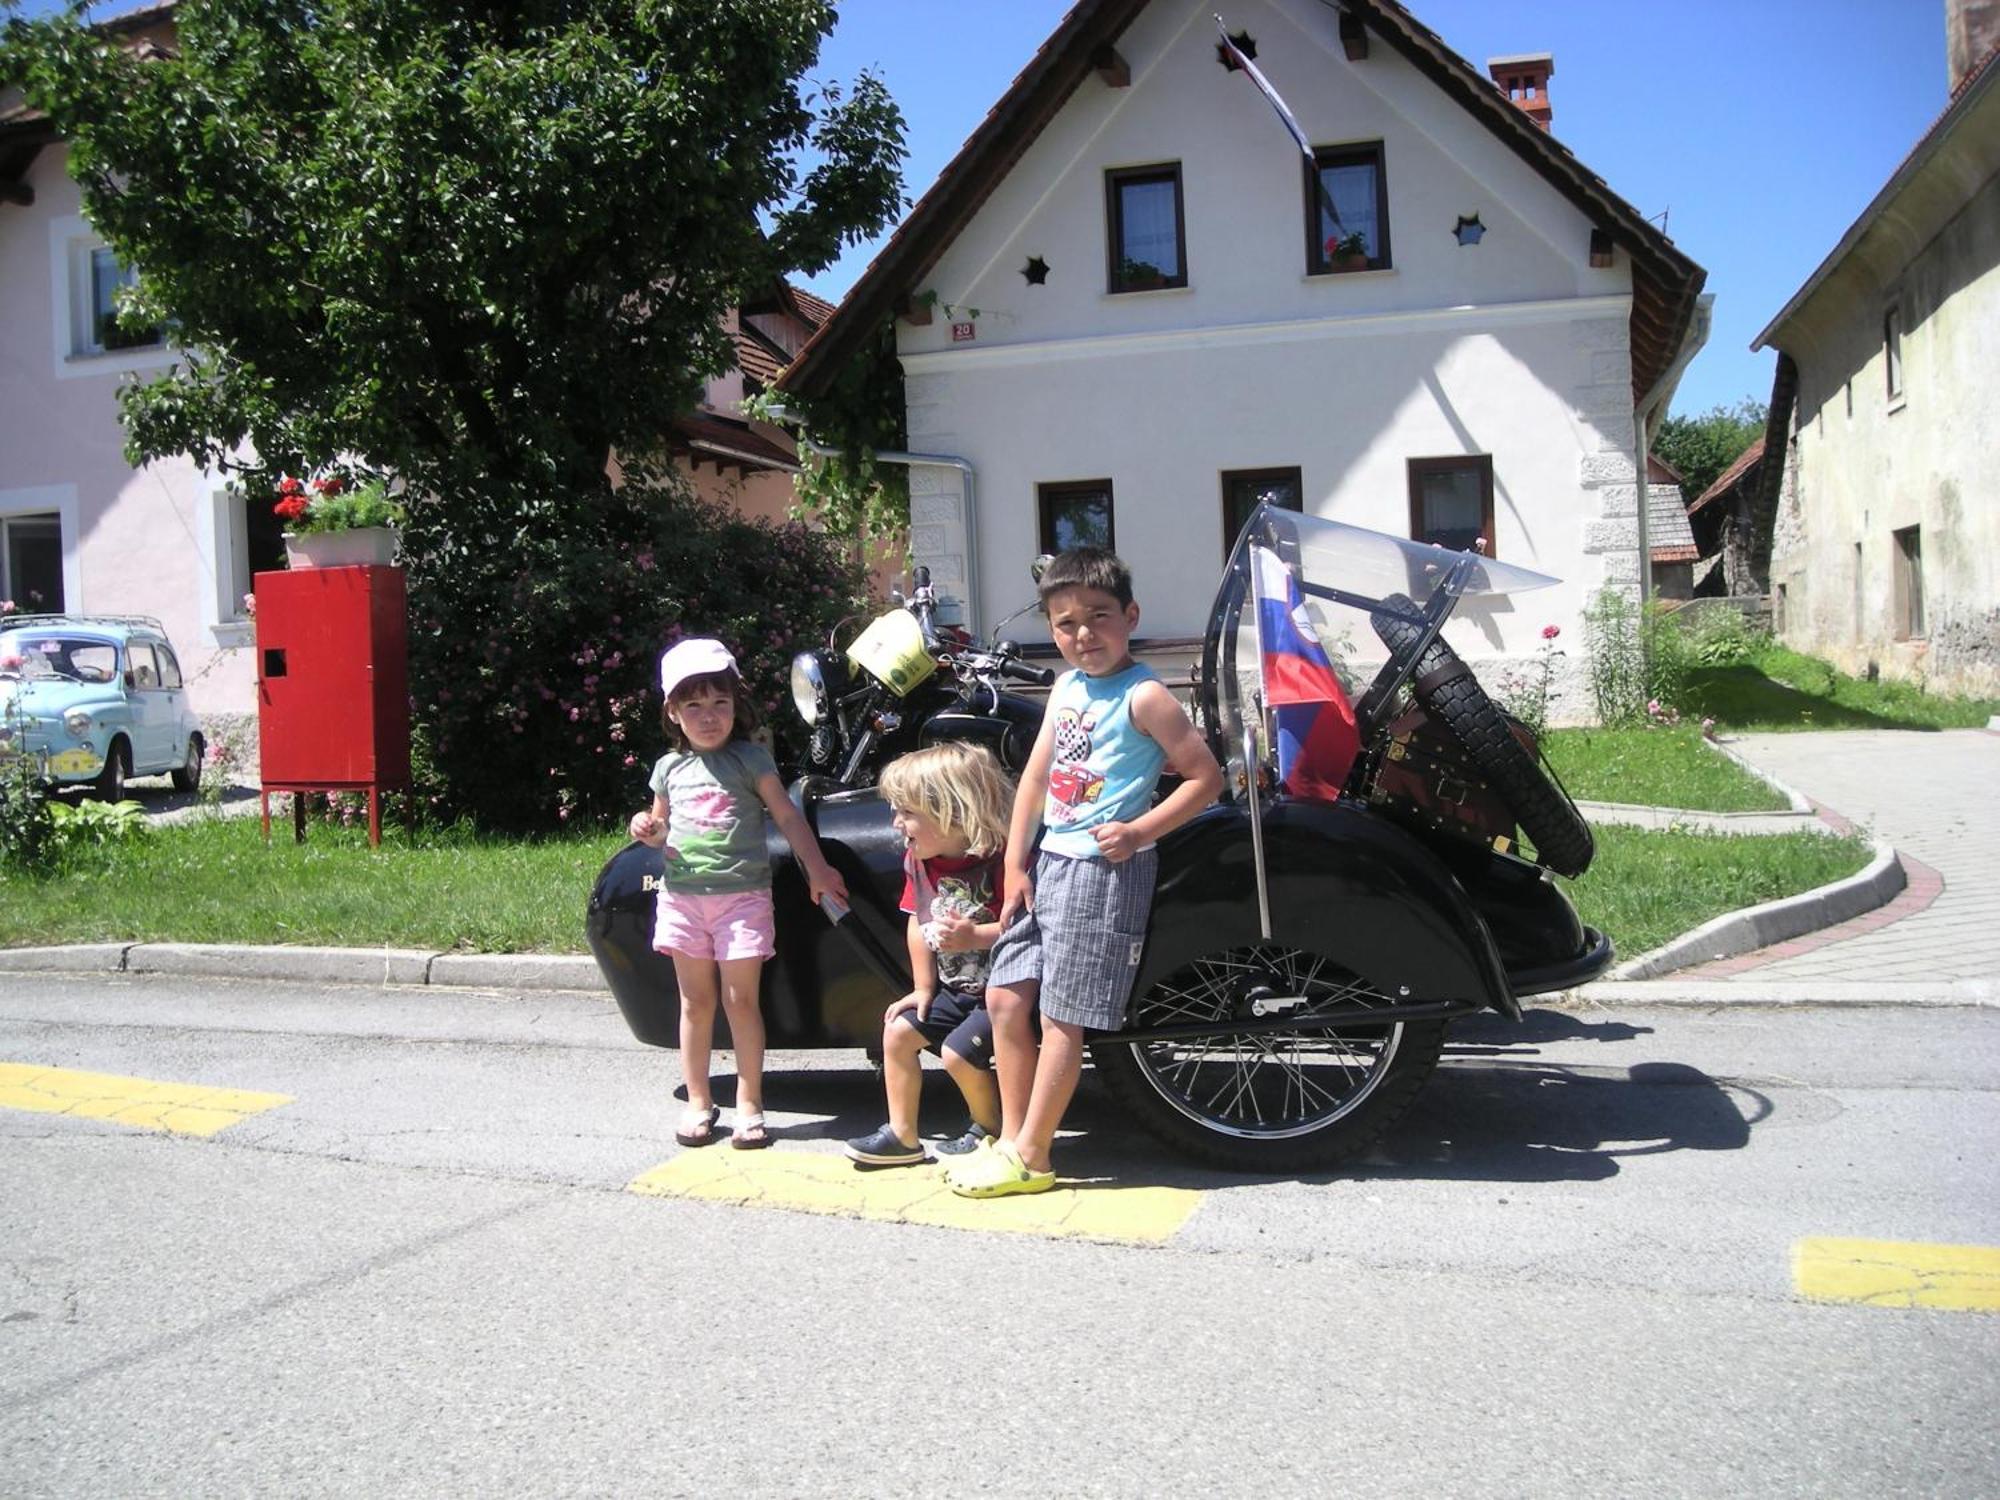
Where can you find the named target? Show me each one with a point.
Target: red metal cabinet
(333, 681)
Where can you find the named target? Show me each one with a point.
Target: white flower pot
(364, 546)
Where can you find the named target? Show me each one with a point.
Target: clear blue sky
(1760, 128)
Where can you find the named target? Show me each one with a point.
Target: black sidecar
(1306, 950)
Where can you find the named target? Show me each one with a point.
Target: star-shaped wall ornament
(1243, 42)
(1036, 270)
(1469, 231)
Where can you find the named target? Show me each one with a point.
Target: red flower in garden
(291, 507)
(1550, 632)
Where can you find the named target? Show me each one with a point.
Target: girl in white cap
(711, 794)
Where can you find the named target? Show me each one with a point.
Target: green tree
(480, 249)
(1702, 447)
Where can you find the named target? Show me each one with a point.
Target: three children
(1073, 867)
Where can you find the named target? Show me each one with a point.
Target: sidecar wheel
(1284, 1101)
(1561, 837)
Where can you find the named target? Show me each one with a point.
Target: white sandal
(753, 1125)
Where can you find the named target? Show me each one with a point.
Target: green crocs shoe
(997, 1173)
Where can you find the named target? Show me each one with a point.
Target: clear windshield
(37, 656)
(1355, 594)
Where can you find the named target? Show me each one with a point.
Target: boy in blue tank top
(1074, 925)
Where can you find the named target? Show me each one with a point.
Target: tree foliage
(1702, 447)
(480, 249)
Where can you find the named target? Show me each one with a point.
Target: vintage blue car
(94, 699)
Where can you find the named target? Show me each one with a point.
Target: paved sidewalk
(1932, 797)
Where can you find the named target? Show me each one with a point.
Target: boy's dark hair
(746, 707)
(1087, 568)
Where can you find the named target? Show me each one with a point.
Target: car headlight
(77, 721)
(809, 695)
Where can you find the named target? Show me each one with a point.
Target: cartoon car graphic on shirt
(1075, 786)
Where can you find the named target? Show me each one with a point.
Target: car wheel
(187, 775)
(1446, 686)
(117, 766)
(1267, 1101)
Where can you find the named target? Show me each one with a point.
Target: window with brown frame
(1147, 237)
(1451, 502)
(1076, 514)
(1358, 186)
(1244, 489)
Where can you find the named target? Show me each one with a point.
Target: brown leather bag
(1425, 780)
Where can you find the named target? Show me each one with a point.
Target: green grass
(215, 881)
(1646, 886)
(1778, 689)
(1656, 768)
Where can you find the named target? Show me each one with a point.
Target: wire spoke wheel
(1268, 1099)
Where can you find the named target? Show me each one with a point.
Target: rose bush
(534, 660)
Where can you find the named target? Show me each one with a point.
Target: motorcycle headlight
(809, 694)
(77, 722)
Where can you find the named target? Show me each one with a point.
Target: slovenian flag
(1317, 737)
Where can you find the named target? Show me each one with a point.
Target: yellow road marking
(1898, 1273)
(817, 1184)
(144, 1103)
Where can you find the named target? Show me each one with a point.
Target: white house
(1118, 316)
(1884, 526)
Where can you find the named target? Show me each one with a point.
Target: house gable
(1243, 186)
(1663, 285)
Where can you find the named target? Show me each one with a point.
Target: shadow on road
(1494, 1112)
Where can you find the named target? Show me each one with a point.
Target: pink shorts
(721, 925)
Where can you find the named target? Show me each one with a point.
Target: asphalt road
(1570, 1272)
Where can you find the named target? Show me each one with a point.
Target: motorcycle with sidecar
(1382, 859)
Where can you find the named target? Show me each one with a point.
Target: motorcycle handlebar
(1022, 671)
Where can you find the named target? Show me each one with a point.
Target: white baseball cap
(698, 656)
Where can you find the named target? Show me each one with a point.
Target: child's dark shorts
(958, 1021)
(1083, 940)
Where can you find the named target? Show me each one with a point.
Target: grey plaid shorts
(1084, 939)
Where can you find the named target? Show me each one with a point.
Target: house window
(1076, 515)
(1357, 188)
(1892, 350)
(1451, 502)
(1244, 489)
(1909, 583)
(107, 277)
(1148, 240)
(31, 563)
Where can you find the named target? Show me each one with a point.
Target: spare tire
(1445, 685)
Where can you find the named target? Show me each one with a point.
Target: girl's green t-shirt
(715, 823)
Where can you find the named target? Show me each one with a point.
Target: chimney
(1525, 79)
(1971, 31)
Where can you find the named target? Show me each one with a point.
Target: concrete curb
(1638, 815)
(366, 966)
(1607, 994)
(1800, 817)
(1773, 922)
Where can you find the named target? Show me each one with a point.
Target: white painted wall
(1514, 347)
(143, 541)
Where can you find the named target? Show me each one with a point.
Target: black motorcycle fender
(1342, 882)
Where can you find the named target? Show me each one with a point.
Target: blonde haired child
(951, 804)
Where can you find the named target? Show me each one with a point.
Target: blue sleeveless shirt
(1105, 767)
